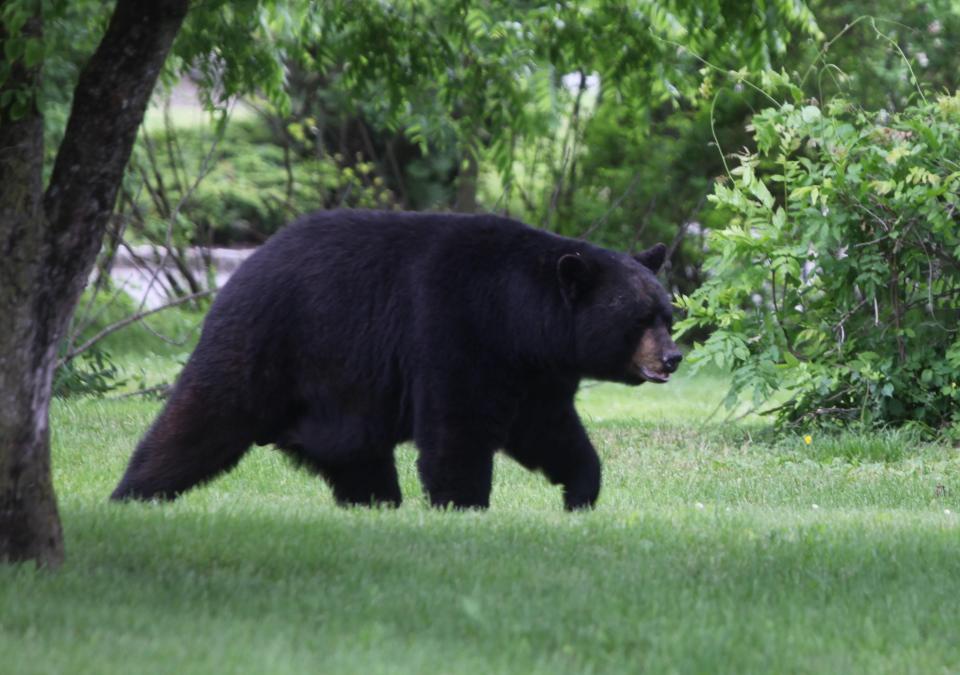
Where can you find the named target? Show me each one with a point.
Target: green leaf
(33, 52)
(760, 191)
(896, 154)
(12, 48)
(779, 218)
(810, 114)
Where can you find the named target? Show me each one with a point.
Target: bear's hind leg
(184, 447)
(349, 452)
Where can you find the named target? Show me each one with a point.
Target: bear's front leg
(455, 470)
(367, 482)
(549, 437)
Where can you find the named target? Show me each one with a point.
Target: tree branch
(108, 107)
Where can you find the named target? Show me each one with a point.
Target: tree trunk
(49, 242)
(29, 524)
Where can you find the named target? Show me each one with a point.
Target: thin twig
(162, 389)
(603, 219)
(644, 221)
(682, 230)
(133, 318)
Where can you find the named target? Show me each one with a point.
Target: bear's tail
(190, 442)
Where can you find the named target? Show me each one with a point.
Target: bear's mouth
(652, 375)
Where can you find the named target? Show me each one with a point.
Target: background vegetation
(619, 126)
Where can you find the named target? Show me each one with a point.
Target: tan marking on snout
(648, 353)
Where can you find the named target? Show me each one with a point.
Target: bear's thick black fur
(350, 332)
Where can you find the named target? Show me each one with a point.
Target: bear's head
(621, 314)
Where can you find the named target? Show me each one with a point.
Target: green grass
(717, 548)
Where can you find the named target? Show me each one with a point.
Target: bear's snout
(657, 356)
(672, 360)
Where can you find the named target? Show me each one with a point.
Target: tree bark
(29, 523)
(49, 242)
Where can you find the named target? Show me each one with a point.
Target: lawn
(715, 548)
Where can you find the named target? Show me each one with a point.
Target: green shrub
(92, 373)
(837, 277)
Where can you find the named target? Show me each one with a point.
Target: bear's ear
(652, 258)
(575, 276)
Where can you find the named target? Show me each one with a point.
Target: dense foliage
(598, 119)
(474, 106)
(837, 277)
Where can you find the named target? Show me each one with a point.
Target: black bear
(349, 332)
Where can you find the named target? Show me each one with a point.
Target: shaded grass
(715, 549)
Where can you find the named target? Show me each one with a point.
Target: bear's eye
(646, 322)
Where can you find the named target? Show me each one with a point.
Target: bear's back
(351, 285)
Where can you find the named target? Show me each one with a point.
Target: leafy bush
(92, 373)
(837, 278)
